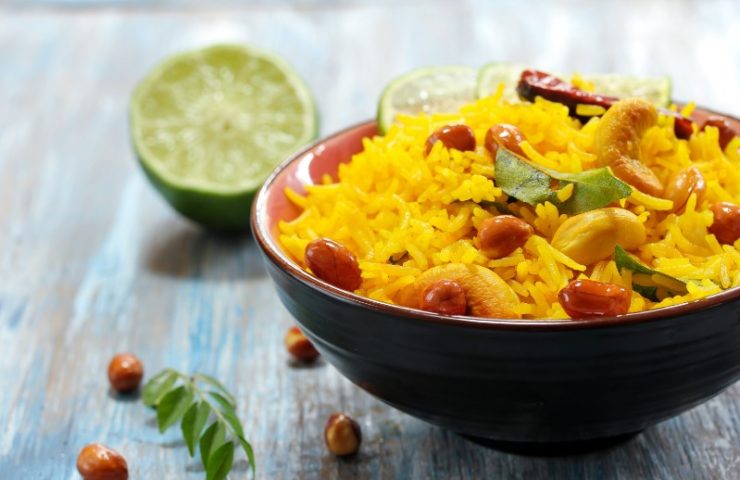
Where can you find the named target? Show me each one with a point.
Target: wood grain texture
(92, 262)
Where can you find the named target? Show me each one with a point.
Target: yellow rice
(401, 211)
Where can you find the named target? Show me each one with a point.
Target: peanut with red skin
(457, 136)
(726, 132)
(588, 298)
(334, 263)
(299, 346)
(342, 435)
(499, 236)
(98, 462)
(504, 135)
(125, 372)
(682, 185)
(446, 297)
(726, 225)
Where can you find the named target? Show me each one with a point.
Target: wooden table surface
(93, 262)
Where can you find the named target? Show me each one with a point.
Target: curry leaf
(521, 180)
(212, 439)
(247, 447)
(222, 401)
(173, 406)
(233, 421)
(592, 189)
(649, 283)
(193, 422)
(215, 383)
(220, 462)
(157, 387)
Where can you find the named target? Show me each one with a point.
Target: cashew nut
(617, 143)
(486, 293)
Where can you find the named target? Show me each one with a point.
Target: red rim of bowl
(277, 256)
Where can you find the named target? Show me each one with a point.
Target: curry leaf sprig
(194, 401)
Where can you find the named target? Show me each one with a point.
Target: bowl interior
(323, 158)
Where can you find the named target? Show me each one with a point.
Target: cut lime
(493, 74)
(654, 89)
(209, 125)
(426, 90)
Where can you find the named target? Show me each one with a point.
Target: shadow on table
(674, 449)
(128, 397)
(186, 251)
(659, 452)
(299, 365)
(240, 466)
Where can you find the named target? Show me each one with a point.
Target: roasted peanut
(726, 132)
(342, 434)
(457, 136)
(98, 462)
(617, 143)
(125, 372)
(299, 346)
(499, 236)
(444, 296)
(504, 135)
(587, 298)
(591, 236)
(682, 185)
(486, 294)
(334, 263)
(726, 225)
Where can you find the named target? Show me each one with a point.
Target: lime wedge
(426, 90)
(654, 89)
(492, 74)
(209, 125)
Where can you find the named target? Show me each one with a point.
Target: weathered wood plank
(92, 262)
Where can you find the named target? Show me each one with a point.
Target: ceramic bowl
(530, 383)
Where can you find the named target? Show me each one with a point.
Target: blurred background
(348, 50)
(93, 261)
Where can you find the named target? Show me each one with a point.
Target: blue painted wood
(92, 262)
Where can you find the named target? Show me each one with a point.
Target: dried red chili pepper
(534, 83)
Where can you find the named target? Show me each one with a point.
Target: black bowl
(547, 383)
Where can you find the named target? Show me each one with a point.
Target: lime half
(653, 89)
(209, 125)
(426, 90)
(493, 74)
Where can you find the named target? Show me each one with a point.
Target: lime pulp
(209, 125)
(426, 90)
